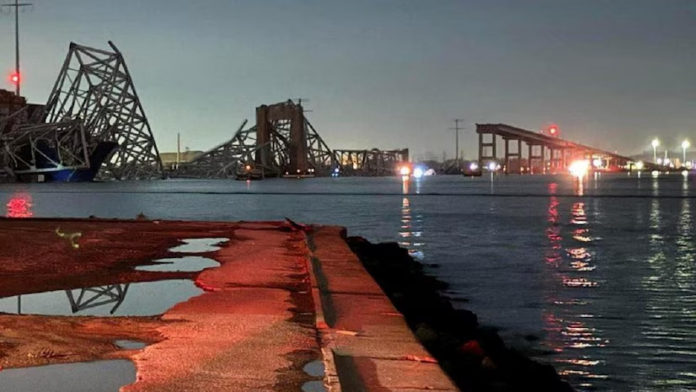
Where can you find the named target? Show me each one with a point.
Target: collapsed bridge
(93, 125)
(284, 143)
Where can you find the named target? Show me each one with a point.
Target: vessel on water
(45, 169)
(299, 174)
(249, 172)
(472, 170)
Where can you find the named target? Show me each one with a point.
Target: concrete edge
(326, 317)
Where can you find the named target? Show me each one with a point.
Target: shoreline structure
(285, 295)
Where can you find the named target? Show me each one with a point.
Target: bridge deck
(510, 133)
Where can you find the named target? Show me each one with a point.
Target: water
(199, 245)
(128, 299)
(602, 272)
(315, 369)
(101, 376)
(130, 344)
(180, 264)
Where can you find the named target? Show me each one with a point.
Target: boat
(300, 174)
(45, 169)
(249, 173)
(472, 170)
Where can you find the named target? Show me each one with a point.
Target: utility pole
(178, 150)
(456, 141)
(17, 77)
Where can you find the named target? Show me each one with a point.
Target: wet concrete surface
(253, 327)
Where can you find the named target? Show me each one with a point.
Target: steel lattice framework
(32, 148)
(95, 87)
(282, 141)
(224, 160)
(370, 162)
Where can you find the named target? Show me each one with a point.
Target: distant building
(169, 158)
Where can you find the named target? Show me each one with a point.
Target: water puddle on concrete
(128, 299)
(181, 264)
(101, 376)
(314, 369)
(130, 344)
(199, 245)
(313, 386)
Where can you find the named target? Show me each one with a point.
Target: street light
(685, 145)
(655, 143)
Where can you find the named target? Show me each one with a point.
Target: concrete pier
(282, 297)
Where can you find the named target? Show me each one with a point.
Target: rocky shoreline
(474, 357)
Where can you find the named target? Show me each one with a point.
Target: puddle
(129, 299)
(130, 344)
(181, 264)
(313, 386)
(101, 376)
(199, 245)
(315, 369)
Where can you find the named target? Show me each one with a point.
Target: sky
(386, 73)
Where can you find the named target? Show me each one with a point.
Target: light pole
(655, 143)
(685, 145)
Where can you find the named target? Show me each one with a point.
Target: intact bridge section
(542, 153)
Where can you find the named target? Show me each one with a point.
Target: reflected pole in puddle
(20, 206)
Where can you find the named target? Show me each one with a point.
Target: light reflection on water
(606, 280)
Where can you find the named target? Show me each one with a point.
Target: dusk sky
(386, 73)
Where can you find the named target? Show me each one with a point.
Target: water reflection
(94, 297)
(20, 206)
(667, 349)
(144, 299)
(410, 231)
(568, 321)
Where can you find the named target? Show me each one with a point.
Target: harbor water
(596, 276)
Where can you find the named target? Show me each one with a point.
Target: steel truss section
(224, 160)
(321, 158)
(46, 147)
(371, 163)
(95, 86)
(293, 144)
(282, 141)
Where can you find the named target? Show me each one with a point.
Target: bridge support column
(536, 159)
(517, 154)
(487, 150)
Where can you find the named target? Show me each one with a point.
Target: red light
(14, 78)
(20, 206)
(553, 131)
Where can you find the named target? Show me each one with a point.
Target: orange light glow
(14, 78)
(579, 168)
(405, 170)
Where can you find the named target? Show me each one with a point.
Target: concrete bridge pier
(487, 150)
